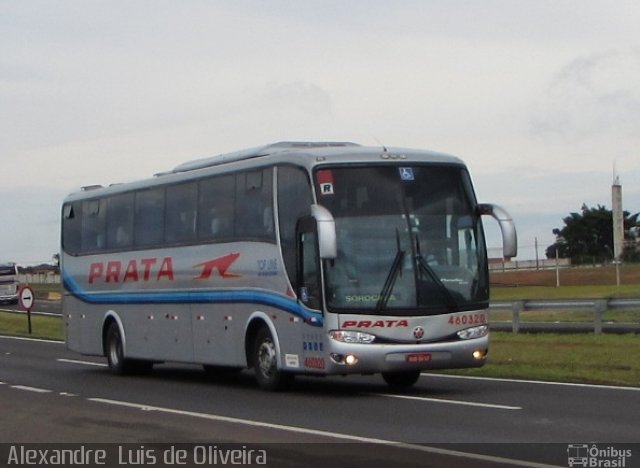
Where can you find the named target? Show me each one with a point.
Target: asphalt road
(49, 395)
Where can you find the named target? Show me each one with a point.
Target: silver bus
(291, 258)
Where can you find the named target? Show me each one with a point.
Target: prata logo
(222, 264)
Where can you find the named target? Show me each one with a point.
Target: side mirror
(507, 227)
(327, 240)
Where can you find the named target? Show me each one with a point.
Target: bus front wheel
(265, 363)
(401, 380)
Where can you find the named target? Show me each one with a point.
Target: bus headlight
(473, 332)
(347, 336)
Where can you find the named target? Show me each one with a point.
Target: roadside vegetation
(42, 327)
(585, 358)
(575, 283)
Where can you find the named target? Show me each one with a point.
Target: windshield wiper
(392, 276)
(424, 267)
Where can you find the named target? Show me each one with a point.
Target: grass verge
(584, 358)
(43, 327)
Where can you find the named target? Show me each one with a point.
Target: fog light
(350, 360)
(342, 359)
(479, 354)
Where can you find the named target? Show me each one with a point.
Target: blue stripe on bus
(195, 297)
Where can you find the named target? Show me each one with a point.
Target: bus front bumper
(347, 358)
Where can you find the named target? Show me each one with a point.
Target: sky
(540, 98)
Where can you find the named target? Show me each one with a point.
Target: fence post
(516, 309)
(600, 307)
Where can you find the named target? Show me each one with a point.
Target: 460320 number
(468, 319)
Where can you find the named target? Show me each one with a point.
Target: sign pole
(26, 302)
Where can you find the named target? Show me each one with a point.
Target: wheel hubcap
(266, 357)
(113, 352)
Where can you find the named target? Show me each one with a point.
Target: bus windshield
(409, 240)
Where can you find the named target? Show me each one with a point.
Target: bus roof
(304, 153)
(258, 151)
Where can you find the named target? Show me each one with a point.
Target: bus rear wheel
(265, 363)
(401, 380)
(114, 350)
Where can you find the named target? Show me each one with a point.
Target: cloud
(591, 97)
(31, 224)
(305, 98)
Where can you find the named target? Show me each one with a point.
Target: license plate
(419, 357)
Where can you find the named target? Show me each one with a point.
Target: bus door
(308, 266)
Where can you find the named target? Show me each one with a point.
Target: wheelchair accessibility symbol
(406, 173)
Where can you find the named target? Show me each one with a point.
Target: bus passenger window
(120, 221)
(72, 225)
(149, 214)
(253, 196)
(215, 208)
(181, 213)
(93, 225)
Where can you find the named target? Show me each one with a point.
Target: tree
(56, 262)
(587, 237)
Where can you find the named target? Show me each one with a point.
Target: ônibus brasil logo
(597, 456)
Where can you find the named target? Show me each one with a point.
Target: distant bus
(291, 258)
(9, 283)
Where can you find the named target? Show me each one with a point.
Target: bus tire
(399, 380)
(265, 363)
(114, 350)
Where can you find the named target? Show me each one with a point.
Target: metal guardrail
(598, 306)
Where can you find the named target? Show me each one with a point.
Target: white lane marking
(83, 363)
(450, 402)
(538, 382)
(30, 389)
(335, 435)
(22, 338)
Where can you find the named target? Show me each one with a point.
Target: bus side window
(93, 225)
(254, 202)
(216, 208)
(180, 216)
(120, 221)
(149, 217)
(71, 232)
